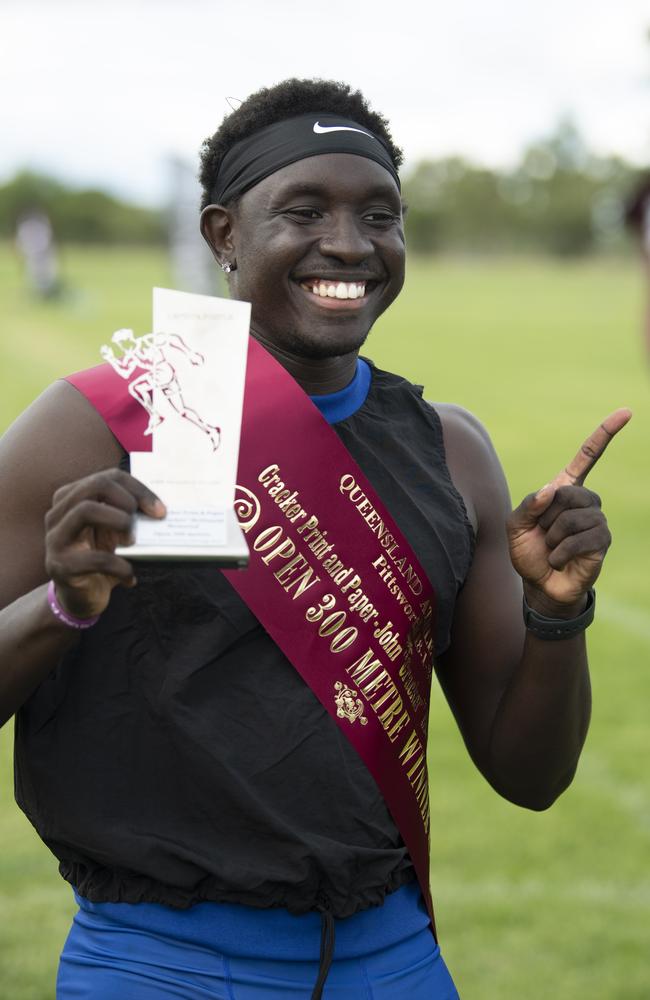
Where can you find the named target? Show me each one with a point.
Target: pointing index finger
(590, 451)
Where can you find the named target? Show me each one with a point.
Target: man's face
(319, 247)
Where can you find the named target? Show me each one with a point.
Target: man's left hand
(558, 536)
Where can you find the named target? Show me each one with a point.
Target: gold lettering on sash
(410, 748)
(362, 667)
(286, 499)
(286, 549)
(353, 581)
(267, 537)
(386, 574)
(306, 579)
(408, 680)
(373, 679)
(388, 641)
(380, 680)
(394, 718)
(362, 604)
(293, 570)
(356, 496)
(283, 548)
(417, 774)
(420, 639)
(269, 474)
(303, 582)
(283, 574)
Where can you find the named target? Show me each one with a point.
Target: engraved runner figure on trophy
(148, 352)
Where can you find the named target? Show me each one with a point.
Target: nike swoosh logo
(322, 129)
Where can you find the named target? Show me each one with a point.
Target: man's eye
(381, 216)
(304, 214)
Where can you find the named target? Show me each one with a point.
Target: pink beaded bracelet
(64, 616)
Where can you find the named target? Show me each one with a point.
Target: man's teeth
(337, 290)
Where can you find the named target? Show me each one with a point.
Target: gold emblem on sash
(348, 706)
(247, 508)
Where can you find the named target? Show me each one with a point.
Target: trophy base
(195, 535)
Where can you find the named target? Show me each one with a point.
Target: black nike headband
(259, 155)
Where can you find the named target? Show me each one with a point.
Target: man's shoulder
(455, 419)
(59, 437)
(462, 427)
(472, 462)
(57, 440)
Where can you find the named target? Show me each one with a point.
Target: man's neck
(317, 376)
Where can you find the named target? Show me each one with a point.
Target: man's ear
(216, 229)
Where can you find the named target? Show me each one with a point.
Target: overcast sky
(101, 92)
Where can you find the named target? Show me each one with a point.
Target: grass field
(535, 906)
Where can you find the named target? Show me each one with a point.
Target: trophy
(188, 376)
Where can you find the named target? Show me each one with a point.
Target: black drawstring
(326, 946)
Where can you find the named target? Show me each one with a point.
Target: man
(219, 799)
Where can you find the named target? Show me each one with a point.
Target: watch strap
(560, 628)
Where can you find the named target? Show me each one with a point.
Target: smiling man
(231, 767)
(308, 300)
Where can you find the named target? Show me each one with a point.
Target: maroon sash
(331, 578)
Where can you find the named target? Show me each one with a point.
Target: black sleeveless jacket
(176, 756)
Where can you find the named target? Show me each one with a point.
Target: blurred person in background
(638, 219)
(37, 247)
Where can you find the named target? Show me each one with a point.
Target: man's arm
(63, 509)
(522, 703)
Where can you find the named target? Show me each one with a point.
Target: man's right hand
(88, 519)
(59, 474)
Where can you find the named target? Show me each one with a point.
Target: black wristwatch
(560, 628)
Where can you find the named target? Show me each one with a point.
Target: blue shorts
(222, 951)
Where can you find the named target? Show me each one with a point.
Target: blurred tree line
(88, 216)
(559, 199)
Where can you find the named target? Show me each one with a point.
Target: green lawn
(553, 905)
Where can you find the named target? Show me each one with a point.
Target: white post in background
(194, 269)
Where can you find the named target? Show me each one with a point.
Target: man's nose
(345, 239)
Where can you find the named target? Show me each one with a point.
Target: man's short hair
(287, 100)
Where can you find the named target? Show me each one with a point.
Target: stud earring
(227, 267)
